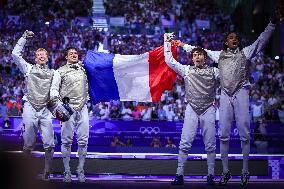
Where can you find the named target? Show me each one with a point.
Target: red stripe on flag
(162, 77)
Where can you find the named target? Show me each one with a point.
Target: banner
(141, 133)
(168, 22)
(116, 21)
(82, 21)
(202, 24)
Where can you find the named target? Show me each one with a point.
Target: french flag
(140, 78)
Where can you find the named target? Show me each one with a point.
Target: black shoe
(244, 179)
(27, 153)
(46, 176)
(178, 180)
(210, 180)
(225, 178)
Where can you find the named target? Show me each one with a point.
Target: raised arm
(17, 53)
(169, 59)
(101, 48)
(258, 45)
(214, 55)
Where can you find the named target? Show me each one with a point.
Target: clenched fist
(28, 34)
(168, 37)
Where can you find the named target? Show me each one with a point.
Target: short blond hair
(41, 49)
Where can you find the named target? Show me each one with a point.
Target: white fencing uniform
(36, 116)
(200, 87)
(71, 81)
(234, 99)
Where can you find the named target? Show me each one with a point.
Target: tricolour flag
(140, 78)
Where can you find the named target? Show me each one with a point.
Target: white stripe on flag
(131, 73)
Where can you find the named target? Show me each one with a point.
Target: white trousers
(236, 106)
(79, 123)
(206, 121)
(34, 122)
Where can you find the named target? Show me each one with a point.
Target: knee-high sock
(48, 159)
(211, 162)
(245, 151)
(182, 158)
(224, 150)
(82, 152)
(66, 151)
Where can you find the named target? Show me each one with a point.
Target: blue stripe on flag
(102, 84)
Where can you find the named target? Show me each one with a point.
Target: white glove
(28, 34)
(168, 36)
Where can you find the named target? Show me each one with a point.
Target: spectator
(3, 109)
(170, 114)
(114, 113)
(272, 100)
(170, 143)
(104, 112)
(116, 142)
(128, 143)
(161, 113)
(14, 111)
(154, 115)
(136, 114)
(146, 114)
(96, 111)
(260, 137)
(156, 143)
(177, 115)
(126, 113)
(257, 110)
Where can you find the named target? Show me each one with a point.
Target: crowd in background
(55, 29)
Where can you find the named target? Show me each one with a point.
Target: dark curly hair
(225, 40)
(199, 50)
(68, 49)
